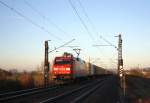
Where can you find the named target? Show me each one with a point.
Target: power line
(85, 13)
(62, 45)
(29, 20)
(33, 8)
(45, 18)
(35, 24)
(92, 24)
(81, 20)
(108, 42)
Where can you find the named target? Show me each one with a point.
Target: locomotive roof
(69, 57)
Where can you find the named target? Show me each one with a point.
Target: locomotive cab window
(62, 62)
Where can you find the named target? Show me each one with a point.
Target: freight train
(68, 67)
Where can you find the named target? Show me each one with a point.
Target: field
(137, 89)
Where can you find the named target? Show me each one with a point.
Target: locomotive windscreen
(62, 61)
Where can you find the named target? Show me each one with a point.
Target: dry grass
(138, 89)
(19, 80)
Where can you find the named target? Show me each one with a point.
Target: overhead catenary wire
(92, 24)
(39, 26)
(81, 20)
(62, 45)
(110, 44)
(49, 21)
(29, 20)
(34, 9)
(46, 18)
(86, 15)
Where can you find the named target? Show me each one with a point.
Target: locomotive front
(62, 68)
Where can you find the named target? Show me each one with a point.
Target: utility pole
(120, 65)
(120, 60)
(120, 69)
(46, 65)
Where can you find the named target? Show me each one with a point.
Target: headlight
(67, 68)
(55, 68)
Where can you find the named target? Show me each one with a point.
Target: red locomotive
(69, 67)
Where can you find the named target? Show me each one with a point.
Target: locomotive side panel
(79, 68)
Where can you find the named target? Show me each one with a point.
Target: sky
(22, 36)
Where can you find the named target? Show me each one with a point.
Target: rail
(94, 85)
(16, 94)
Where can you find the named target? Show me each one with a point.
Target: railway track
(77, 94)
(13, 95)
(71, 93)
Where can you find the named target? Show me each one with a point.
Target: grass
(138, 89)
